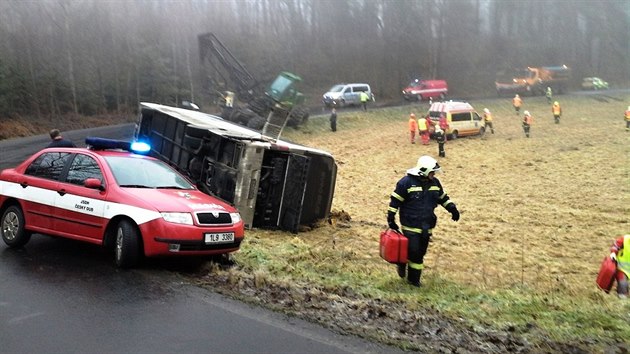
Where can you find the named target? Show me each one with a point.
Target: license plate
(223, 237)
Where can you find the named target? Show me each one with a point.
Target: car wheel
(13, 232)
(342, 103)
(454, 135)
(127, 252)
(419, 98)
(482, 131)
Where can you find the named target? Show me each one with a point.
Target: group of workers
(424, 127)
(528, 120)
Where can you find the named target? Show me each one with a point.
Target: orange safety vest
(628, 115)
(517, 101)
(528, 120)
(556, 110)
(413, 125)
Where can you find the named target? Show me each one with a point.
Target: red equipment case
(606, 276)
(393, 246)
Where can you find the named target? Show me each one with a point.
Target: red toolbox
(606, 276)
(393, 246)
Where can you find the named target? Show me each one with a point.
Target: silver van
(342, 95)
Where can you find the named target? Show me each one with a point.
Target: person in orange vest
(517, 102)
(527, 122)
(620, 253)
(487, 117)
(628, 119)
(423, 129)
(413, 127)
(557, 111)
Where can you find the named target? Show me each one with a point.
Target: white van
(342, 95)
(461, 117)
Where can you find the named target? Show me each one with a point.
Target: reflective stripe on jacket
(416, 198)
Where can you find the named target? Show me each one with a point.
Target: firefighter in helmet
(416, 196)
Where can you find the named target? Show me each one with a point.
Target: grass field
(538, 217)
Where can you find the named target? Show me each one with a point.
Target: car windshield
(137, 172)
(336, 88)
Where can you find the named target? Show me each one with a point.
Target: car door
(79, 210)
(39, 184)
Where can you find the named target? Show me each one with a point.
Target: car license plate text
(224, 237)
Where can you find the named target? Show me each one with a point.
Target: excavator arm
(224, 63)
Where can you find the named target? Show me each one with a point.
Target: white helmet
(526, 113)
(486, 110)
(426, 164)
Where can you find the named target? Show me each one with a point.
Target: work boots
(402, 267)
(413, 277)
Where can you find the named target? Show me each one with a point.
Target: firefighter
(416, 196)
(620, 253)
(364, 99)
(549, 94)
(440, 137)
(627, 117)
(517, 102)
(557, 112)
(487, 117)
(413, 127)
(527, 122)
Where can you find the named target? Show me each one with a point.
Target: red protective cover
(606, 276)
(393, 246)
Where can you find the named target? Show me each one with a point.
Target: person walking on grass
(549, 94)
(517, 102)
(557, 112)
(413, 127)
(487, 118)
(527, 122)
(333, 120)
(627, 118)
(423, 131)
(620, 253)
(440, 137)
(364, 97)
(416, 196)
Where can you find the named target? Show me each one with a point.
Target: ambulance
(461, 117)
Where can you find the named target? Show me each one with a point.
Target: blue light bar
(140, 147)
(112, 144)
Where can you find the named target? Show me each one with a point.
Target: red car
(108, 195)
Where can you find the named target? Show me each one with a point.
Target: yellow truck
(533, 80)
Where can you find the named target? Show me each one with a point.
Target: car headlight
(178, 218)
(236, 217)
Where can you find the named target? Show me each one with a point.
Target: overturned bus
(274, 184)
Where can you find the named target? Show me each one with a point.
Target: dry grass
(538, 214)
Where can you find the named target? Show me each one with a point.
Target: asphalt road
(63, 296)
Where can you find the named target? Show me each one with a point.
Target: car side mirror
(93, 183)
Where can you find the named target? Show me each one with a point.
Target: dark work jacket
(61, 143)
(416, 198)
(439, 137)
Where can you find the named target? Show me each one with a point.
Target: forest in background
(92, 57)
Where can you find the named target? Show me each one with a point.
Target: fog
(94, 56)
